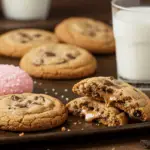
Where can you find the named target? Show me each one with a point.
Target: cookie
(93, 35)
(93, 110)
(116, 93)
(58, 61)
(14, 80)
(31, 112)
(17, 42)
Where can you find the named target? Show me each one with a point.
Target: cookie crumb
(45, 89)
(56, 93)
(82, 129)
(68, 130)
(67, 99)
(66, 90)
(53, 90)
(97, 124)
(35, 82)
(21, 134)
(62, 96)
(79, 122)
(63, 129)
(40, 83)
(75, 123)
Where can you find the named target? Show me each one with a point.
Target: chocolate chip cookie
(17, 42)
(93, 35)
(116, 93)
(93, 110)
(58, 61)
(31, 112)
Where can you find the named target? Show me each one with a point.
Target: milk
(132, 34)
(26, 9)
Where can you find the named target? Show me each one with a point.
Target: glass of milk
(26, 9)
(131, 26)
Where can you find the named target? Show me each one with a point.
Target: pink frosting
(13, 80)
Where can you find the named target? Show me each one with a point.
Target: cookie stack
(109, 101)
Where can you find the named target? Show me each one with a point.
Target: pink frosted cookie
(13, 80)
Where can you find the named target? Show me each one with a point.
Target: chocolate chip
(92, 33)
(126, 98)
(86, 104)
(23, 41)
(20, 105)
(110, 90)
(70, 56)
(36, 97)
(104, 88)
(137, 113)
(29, 101)
(15, 98)
(41, 97)
(97, 109)
(90, 108)
(24, 35)
(50, 54)
(108, 83)
(37, 35)
(111, 78)
(75, 107)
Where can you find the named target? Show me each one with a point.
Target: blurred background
(98, 9)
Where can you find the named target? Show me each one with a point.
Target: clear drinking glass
(131, 26)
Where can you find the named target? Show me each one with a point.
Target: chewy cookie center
(29, 101)
(52, 57)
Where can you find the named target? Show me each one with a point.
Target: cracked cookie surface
(18, 42)
(87, 33)
(58, 61)
(93, 110)
(31, 112)
(116, 93)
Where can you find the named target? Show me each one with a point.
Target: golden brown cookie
(31, 112)
(94, 110)
(116, 93)
(93, 35)
(18, 42)
(58, 61)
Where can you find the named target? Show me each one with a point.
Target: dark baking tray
(106, 67)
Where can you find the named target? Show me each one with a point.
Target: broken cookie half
(93, 110)
(116, 93)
